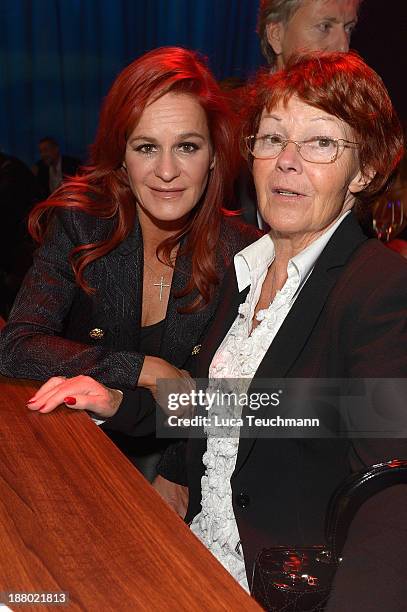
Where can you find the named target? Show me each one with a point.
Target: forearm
(38, 356)
(136, 415)
(140, 412)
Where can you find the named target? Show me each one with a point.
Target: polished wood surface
(76, 516)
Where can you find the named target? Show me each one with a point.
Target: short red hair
(342, 85)
(103, 189)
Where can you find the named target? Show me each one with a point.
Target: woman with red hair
(132, 249)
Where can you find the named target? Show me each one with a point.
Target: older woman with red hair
(314, 299)
(132, 250)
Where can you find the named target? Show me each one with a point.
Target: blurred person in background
(296, 26)
(51, 169)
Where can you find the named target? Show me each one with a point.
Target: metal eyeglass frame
(340, 142)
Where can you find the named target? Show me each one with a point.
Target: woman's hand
(80, 393)
(174, 494)
(179, 381)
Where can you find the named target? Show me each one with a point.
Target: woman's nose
(289, 159)
(167, 167)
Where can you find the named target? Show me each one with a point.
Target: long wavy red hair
(102, 189)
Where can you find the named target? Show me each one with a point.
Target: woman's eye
(324, 143)
(187, 147)
(146, 148)
(272, 139)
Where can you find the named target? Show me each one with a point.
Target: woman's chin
(286, 228)
(165, 220)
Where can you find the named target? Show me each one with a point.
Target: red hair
(342, 85)
(103, 189)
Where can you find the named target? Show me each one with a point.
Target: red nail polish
(41, 407)
(71, 401)
(30, 401)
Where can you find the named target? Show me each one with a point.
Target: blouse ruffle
(238, 357)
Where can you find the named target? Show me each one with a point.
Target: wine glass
(397, 217)
(388, 217)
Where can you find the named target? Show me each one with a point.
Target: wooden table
(77, 517)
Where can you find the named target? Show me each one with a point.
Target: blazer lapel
(125, 268)
(176, 325)
(305, 312)
(303, 316)
(229, 301)
(191, 326)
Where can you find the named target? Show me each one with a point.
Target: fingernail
(30, 401)
(71, 401)
(41, 407)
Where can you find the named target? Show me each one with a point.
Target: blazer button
(196, 349)
(242, 500)
(97, 333)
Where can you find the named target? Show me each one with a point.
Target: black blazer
(56, 329)
(348, 321)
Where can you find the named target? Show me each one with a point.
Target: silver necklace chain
(161, 285)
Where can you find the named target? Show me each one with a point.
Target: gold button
(97, 333)
(196, 349)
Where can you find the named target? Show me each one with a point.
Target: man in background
(52, 167)
(289, 26)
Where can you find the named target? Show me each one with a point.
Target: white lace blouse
(239, 356)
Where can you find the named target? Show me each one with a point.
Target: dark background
(381, 39)
(59, 57)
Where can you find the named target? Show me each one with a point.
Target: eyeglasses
(318, 150)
